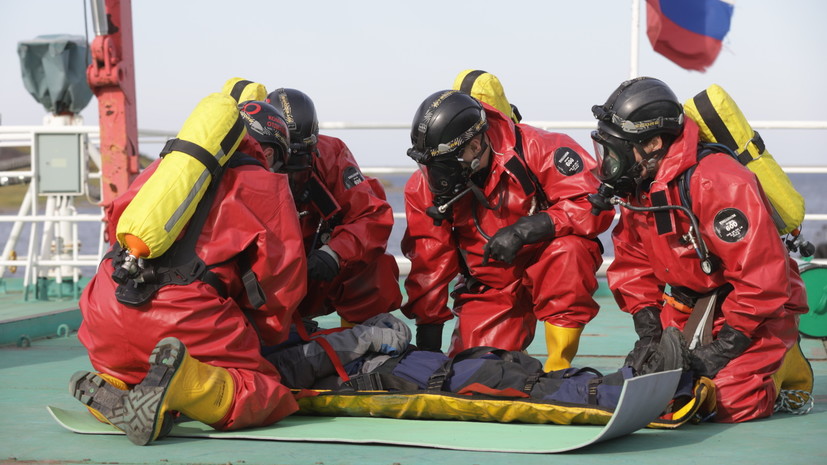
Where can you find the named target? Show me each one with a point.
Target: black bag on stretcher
(488, 384)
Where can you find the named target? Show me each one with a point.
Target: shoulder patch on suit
(567, 161)
(352, 177)
(731, 225)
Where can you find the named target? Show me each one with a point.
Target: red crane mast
(111, 76)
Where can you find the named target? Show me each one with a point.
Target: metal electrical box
(60, 162)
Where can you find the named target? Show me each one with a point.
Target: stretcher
(642, 400)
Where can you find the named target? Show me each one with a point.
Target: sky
(376, 61)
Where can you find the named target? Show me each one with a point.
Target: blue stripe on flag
(706, 17)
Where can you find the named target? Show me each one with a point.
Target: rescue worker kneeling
(194, 348)
(505, 207)
(345, 218)
(723, 245)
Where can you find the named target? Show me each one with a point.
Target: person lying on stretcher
(378, 355)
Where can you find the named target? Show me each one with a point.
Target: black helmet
(637, 110)
(300, 114)
(640, 109)
(266, 124)
(444, 122)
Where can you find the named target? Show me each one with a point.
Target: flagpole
(635, 47)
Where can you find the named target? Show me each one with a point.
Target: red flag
(688, 32)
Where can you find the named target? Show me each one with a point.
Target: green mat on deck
(642, 400)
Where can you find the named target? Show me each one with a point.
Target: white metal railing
(552, 125)
(59, 221)
(56, 226)
(404, 263)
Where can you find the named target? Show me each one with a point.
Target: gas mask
(450, 178)
(447, 181)
(298, 169)
(616, 169)
(615, 158)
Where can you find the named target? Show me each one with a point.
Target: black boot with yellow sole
(176, 382)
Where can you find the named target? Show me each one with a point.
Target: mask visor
(446, 178)
(613, 156)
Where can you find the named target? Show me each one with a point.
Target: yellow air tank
(487, 88)
(721, 121)
(162, 207)
(243, 90)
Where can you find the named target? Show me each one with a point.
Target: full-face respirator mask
(299, 168)
(616, 169)
(443, 126)
(448, 180)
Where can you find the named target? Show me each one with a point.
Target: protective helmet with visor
(637, 110)
(300, 115)
(442, 126)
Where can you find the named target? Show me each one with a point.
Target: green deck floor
(35, 376)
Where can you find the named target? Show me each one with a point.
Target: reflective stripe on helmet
(445, 147)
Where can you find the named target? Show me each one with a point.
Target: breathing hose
(694, 235)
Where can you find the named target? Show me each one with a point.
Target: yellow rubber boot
(794, 383)
(102, 394)
(561, 344)
(180, 383)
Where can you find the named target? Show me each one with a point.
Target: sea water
(811, 186)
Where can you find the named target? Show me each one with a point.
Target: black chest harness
(180, 265)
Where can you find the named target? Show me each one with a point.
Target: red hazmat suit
(253, 213)
(368, 280)
(551, 281)
(736, 225)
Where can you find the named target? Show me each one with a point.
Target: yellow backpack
(487, 88)
(163, 206)
(722, 122)
(154, 219)
(243, 90)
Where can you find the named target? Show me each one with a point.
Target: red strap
(323, 332)
(319, 338)
(302, 393)
(337, 364)
(299, 324)
(477, 388)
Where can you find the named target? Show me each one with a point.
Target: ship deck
(34, 373)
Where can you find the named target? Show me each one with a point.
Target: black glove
(647, 323)
(707, 360)
(429, 337)
(652, 357)
(649, 332)
(321, 266)
(506, 242)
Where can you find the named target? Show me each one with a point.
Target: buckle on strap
(436, 382)
(592, 387)
(253, 288)
(530, 381)
(366, 382)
